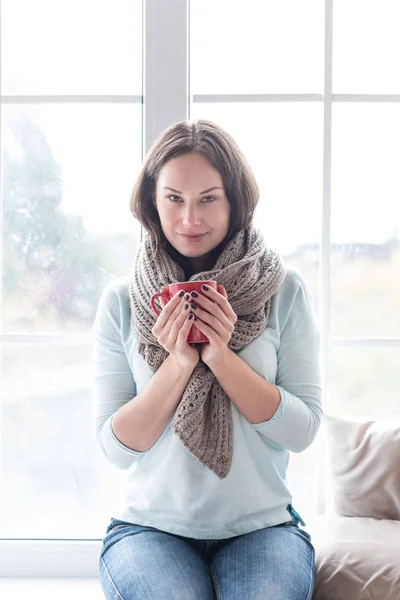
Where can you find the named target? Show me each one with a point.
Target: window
(315, 108)
(327, 173)
(71, 127)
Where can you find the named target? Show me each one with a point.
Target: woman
(205, 430)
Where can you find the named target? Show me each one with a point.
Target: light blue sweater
(166, 486)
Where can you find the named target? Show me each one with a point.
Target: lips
(193, 238)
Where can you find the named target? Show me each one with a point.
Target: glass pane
(365, 220)
(71, 47)
(256, 47)
(283, 144)
(366, 47)
(68, 172)
(364, 382)
(302, 480)
(52, 476)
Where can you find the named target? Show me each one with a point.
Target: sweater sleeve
(298, 378)
(113, 384)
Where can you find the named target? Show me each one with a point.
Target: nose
(191, 216)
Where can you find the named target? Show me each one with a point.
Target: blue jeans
(138, 562)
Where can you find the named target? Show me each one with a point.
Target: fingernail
(194, 294)
(181, 293)
(190, 316)
(186, 306)
(205, 287)
(194, 305)
(187, 297)
(195, 318)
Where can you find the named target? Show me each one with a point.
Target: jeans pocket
(305, 533)
(113, 535)
(116, 524)
(116, 527)
(112, 528)
(117, 530)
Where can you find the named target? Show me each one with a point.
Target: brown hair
(218, 146)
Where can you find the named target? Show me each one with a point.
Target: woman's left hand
(217, 324)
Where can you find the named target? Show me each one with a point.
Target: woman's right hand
(172, 328)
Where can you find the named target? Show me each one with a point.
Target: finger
(221, 324)
(222, 291)
(164, 290)
(212, 309)
(171, 309)
(170, 329)
(213, 297)
(212, 335)
(186, 325)
(179, 322)
(215, 310)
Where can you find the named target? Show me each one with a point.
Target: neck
(196, 264)
(192, 265)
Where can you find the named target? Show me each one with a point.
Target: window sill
(20, 588)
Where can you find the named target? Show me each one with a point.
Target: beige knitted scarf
(251, 273)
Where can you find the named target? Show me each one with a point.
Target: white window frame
(167, 99)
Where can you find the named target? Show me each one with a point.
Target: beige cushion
(364, 462)
(357, 549)
(357, 559)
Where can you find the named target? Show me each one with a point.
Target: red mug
(195, 335)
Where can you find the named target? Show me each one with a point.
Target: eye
(208, 199)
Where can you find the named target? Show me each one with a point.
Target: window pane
(365, 220)
(302, 480)
(366, 47)
(256, 47)
(364, 382)
(71, 47)
(54, 482)
(68, 172)
(283, 144)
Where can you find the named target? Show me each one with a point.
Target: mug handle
(154, 296)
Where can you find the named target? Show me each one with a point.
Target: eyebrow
(215, 187)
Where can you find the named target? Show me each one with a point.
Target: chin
(195, 249)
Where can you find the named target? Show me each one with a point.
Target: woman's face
(191, 202)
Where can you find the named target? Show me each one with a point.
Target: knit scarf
(251, 274)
